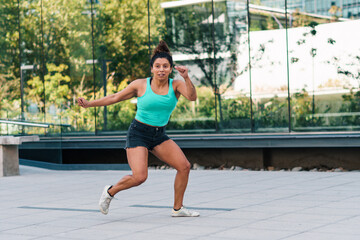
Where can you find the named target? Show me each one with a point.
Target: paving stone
(46, 204)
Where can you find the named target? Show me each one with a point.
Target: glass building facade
(343, 8)
(259, 66)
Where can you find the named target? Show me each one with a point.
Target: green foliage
(56, 86)
(236, 113)
(9, 60)
(195, 115)
(271, 114)
(9, 92)
(121, 34)
(56, 36)
(262, 21)
(302, 111)
(351, 103)
(121, 114)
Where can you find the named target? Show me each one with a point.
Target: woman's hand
(183, 71)
(186, 89)
(83, 103)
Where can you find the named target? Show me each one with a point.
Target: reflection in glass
(10, 107)
(67, 48)
(67, 63)
(233, 66)
(122, 51)
(56, 51)
(268, 62)
(324, 72)
(32, 68)
(189, 36)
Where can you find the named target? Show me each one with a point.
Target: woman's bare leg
(138, 161)
(170, 153)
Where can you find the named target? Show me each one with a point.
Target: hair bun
(161, 47)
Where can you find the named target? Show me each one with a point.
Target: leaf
(331, 41)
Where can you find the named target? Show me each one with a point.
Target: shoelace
(186, 211)
(107, 199)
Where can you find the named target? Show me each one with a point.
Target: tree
(121, 35)
(58, 35)
(9, 61)
(199, 32)
(56, 84)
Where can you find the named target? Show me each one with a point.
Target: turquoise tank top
(154, 109)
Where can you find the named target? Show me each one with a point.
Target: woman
(157, 98)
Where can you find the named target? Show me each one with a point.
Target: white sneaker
(105, 200)
(183, 212)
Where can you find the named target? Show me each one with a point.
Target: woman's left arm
(187, 89)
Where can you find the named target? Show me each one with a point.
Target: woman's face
(161, 68)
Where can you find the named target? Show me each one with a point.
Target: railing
(32, 124)
(327, 116)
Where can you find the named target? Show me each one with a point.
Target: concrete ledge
(255, 151)
(276, 140)
(9, 154)
(11, 140)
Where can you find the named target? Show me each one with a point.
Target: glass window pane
(9, 66)
(232, 69)
(32, 68)
(324, 71)
(122, 50)
(68, 64)
(268, 60)
(189, 36)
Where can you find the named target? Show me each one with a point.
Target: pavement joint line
(196, 208)
(136, 206)
(60, 209)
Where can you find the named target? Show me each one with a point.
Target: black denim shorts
(140, 134)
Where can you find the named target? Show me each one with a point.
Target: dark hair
(161, 51)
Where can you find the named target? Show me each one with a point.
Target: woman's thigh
(138, 160)
(170, 153)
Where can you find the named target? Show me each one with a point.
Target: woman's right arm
(130, 91)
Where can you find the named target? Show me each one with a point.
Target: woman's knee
(185, 167)
(140, 178)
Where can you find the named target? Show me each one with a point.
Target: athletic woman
(157, 97)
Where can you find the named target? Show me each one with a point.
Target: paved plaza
(264, 205)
